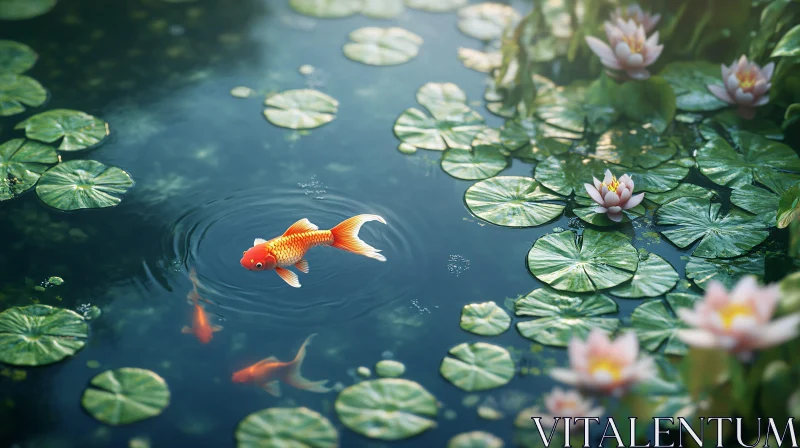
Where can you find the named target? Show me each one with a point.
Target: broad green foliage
(486, 319)
(481, 162)
(286, 427)
(533, 140)
(388, 368)
(22, 164)
(660, 179)
(436, 5)
(18, 91)
(726, 271)
(387, 408)
(789, 45)
(382, 46)
(567, 174)
(300, 109)
(586, 212)
(728, 122)
(648, 102)
(634, 147)
(789, 206)
(653, 277)
(326, 8)
(564, 315)
(757, 158)
(721, 236)
(689, 80)
(24, 9)
(480, 61)
(15, 57)
(486, 21)
(477, 366)
(513, 201)
(683, 190)
(475, 439)
(654, 323)
(81, 184)
(570, 107)
(763, 203)
(125, 395)
(37, 335)
(594, 261)
(79, 130)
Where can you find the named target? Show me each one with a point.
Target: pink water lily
(560, 403)
(739, 321)
(603, 365)
(613, 195)
(745, 85)
(627, 50)
(634, 12)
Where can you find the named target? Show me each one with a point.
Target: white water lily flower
(745, 85)
(605, 366)
(634, 12)
(739, 321)
(627, 50)
(613, 195)
(560, 403)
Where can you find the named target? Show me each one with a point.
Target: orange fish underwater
(290, 248)
(269, 372)
(201, 327)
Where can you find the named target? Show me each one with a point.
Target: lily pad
(387, 408)
(487, 21)
(326, 9)
(382, 46)
(532, 140)
(789, 45)
(683, 190)
(595, 261)
(654, 323)
(22, 164)
(126, 395)
(477, 366)
(651, 101)
(286, 427)
(586, 212)
(689, 80)
(300, 109)
(480, 61)
(475, 439)
(789, 206)
(486, 319)
(383, 9)
(660, 179)
(726, 271)
(436, 5)
(757, 158)
(78, 129)
(480, 162)
(568, 173)
(634, 147)
(24, 9)
(389, 368)
(16, 58)
(564, 315)
(81, 184)
(569, 108)
(720, 236)
(18, 91)
(758, 201)
(439, 94)
(451, 124)
(728, 122)
(37, 335)
(512, 201)
(653, 277)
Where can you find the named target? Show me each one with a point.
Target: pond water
(211, 176)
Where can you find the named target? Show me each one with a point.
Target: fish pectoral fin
(302, 265)
(259, 241)
(288, 276)
(273, 388)
(216, 328)
(304, 225)
(186, 330)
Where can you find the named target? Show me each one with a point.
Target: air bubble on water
(421, 309)
(559, 229)
(457, 264)
(313, 187)
(575, 223)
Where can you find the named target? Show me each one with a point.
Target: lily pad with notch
(567, 173)
(300, 109)
(480, 162)
(571, 107)
(126, 395)
(487, 21)
(653, 277)
(759, 201)
(513, 201)
(38, 335)
(451, 123)
(660, 179)
(18, 91)
(485, 319)
(477, 366)
(79, 184)
(382, 46)
(684, 190)
(533, 140)
(475, 439)
(635, 147)
(656, 324)
(22, 164)
(728, 122)
(79, 130)
(327, 8)
(286, 427)
(480, 61)
(726, 271)
(689, 79)
(436, 5)
(650, 101)
(16, 58)
(586, 207)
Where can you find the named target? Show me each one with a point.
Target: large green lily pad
(532, 140)
(436, 5)
(16, 58)
(22, 164)
(634, 147)
(726, 271)
(24, 9)
(571, 107)
(757, 158)
(789, 206)
(654, 323)
(125, 395)
(660, 179)
(564, 315)
(481, 61)
(653, 277)
(683, 190)
(595, 261)
(689, 80)
(37, 335)
(81, 184)
(78, 129)
(480, 162)
(387, 408)
(286, 428)
(651, 101)
(568, 173)
(477, 366)
(586, 211)
(382, 46)
(389, 368)
(485, 319)
(475, 439)
(452, 125)
(300, 109)
(512, 201)
(326, 8)
(437, 94)
(759, 201)
(18, 91)
(720, 236)
(729, 122)
(486, 21)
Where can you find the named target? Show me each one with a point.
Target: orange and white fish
(290, 248)
(201, 327)
(270, 372)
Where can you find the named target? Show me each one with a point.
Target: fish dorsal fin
(304, 225)
(259, 241)
(269, 360)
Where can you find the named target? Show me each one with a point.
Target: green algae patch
(388, 368)
(513, 201)
(126, 395)
(300, 109)
(387, 408)
(18, 91)
(382, 46)
(79, 130)
(37, 335)
(22, 164)
(80, 184)
(485, 319)
(286, 428)
(15, 57)
(477, 366)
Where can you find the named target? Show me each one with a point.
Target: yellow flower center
(634, 44)
(747, 79)
(613, 185)
(603, 365)
(731, 311)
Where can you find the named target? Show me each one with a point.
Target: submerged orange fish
(201, 327)
(290, 248)
(269, 372)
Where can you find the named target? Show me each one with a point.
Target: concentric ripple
(340, 285)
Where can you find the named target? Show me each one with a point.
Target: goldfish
(201, 327)
(270, 372)
(290, 248)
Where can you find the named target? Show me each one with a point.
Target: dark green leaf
(689, 80)
(651, 101)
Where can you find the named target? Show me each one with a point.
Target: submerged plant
(628, 49)
(745, 85)
(613, 195)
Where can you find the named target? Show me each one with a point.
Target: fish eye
(259, 265)
(244, 252)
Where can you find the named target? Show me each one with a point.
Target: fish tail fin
(294, 376)
(345, 236)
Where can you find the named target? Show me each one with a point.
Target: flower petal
(616, 217)
(768, 70)
(602, 50)
(639, 74)
(565, 376)
(698, 338)
(611, 199)
(743, 98)
(595, 195)
(720, 92)
(778, 331)
(634, 201)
